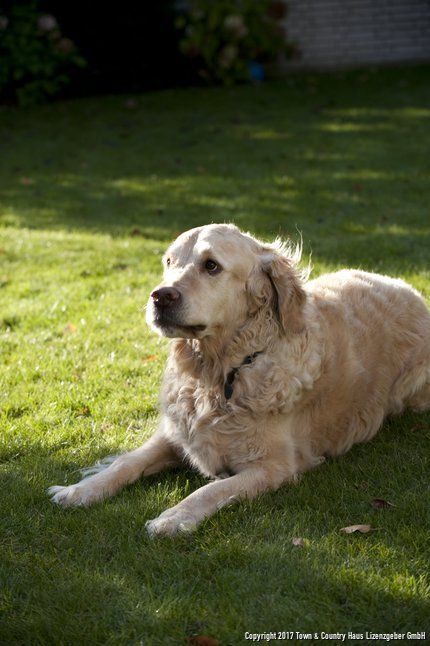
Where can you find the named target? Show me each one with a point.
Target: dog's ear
(289, 294)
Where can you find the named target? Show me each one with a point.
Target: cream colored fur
(336, 356)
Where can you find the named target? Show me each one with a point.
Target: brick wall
(349, 33)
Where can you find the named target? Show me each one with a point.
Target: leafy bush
(36, 58)
(228, 38)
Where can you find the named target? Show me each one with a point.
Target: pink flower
(47, 22)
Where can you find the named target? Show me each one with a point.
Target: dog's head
(216, 278)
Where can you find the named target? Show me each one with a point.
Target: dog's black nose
(166, 296)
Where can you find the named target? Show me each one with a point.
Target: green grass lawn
(91, 191)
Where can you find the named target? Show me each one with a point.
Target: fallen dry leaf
(130, 104)
(151, 357)
(83, 412)
(136, 232)
(26, 181)
(202, 640)
(298, 542)
(419, 427)
(70, 328)
(363, 529)
(379, 503)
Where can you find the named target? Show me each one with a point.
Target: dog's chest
(203, 427)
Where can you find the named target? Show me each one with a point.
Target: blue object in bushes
(256, 71)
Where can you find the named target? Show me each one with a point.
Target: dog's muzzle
(166, 297)
(167, 312)
(166, 302)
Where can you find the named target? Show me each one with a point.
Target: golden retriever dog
(268, 372)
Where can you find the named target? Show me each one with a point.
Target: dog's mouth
(168, 325)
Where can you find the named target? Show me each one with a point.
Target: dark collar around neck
(229, 382)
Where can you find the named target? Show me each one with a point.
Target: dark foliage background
(129, 46)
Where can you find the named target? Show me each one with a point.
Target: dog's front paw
(77, 495)
(171, 522)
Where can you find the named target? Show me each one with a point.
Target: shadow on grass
(343, 160)
(94, 575)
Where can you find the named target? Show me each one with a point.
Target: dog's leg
(186, 515)
(110, 476)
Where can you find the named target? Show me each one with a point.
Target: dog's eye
(168, 262)
(212, 267)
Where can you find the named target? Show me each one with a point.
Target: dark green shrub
(225, 37)
(35, 57)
